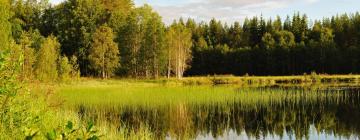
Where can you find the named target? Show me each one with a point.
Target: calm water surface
(323, 113)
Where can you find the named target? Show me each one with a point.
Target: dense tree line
(276, 47)
(260, 47)
(107, 37)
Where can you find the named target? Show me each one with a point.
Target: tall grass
(305, 79)
(104, 100)
(115, 95)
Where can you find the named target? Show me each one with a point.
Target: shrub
(25, 116)
(65, 69)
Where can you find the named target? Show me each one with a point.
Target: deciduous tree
(47, 60)
(104, 53)
(179, 49)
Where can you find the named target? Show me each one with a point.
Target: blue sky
(236, 10)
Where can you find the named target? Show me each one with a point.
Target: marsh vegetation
(160, 111)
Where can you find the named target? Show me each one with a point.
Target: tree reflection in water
(330, 112)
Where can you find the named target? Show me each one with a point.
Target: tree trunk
(103, 66)
(179, 60)
(155, 69)
(23, 65)
(170, 46)
(169, 65)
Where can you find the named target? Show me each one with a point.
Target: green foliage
(42, 59)
(117, 12)
(141, 41)
(29, 56)
(46, 64)
(268, 41)
(104, 53)
(73, 22)
(327, 37)
(16, 114)
(8, 74)
(69, 131)
(179, 45)
(329, 45)
(129, 37)
(285, 39)
(5, 28)
(23, 115)
(27, 16)
(75, 71)
(65, 69)
(152, 53)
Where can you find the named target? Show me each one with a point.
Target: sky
(237, 10)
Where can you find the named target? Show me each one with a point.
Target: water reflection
(329, 113)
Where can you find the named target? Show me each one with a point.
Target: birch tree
(179, 45)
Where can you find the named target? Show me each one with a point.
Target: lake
(220, 112)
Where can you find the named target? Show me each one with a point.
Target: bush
(65, 69)
(26, 116)
(46, 64)
(75, 71)
(315, 77)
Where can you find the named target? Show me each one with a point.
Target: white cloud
(204, 10)
(226, 10)
(311, 1)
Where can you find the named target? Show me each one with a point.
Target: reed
(107, 100)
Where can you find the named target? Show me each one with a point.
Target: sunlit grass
(117, 94)
(98, 98)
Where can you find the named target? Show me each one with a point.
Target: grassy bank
(233, 80)
(241, 80)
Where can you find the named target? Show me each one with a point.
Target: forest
(109, 69)
(114, 38)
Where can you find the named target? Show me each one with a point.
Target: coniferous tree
(277, 24)
(258, 46)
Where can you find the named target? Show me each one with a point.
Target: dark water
(333, 113)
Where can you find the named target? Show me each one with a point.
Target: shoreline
(236, 80)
